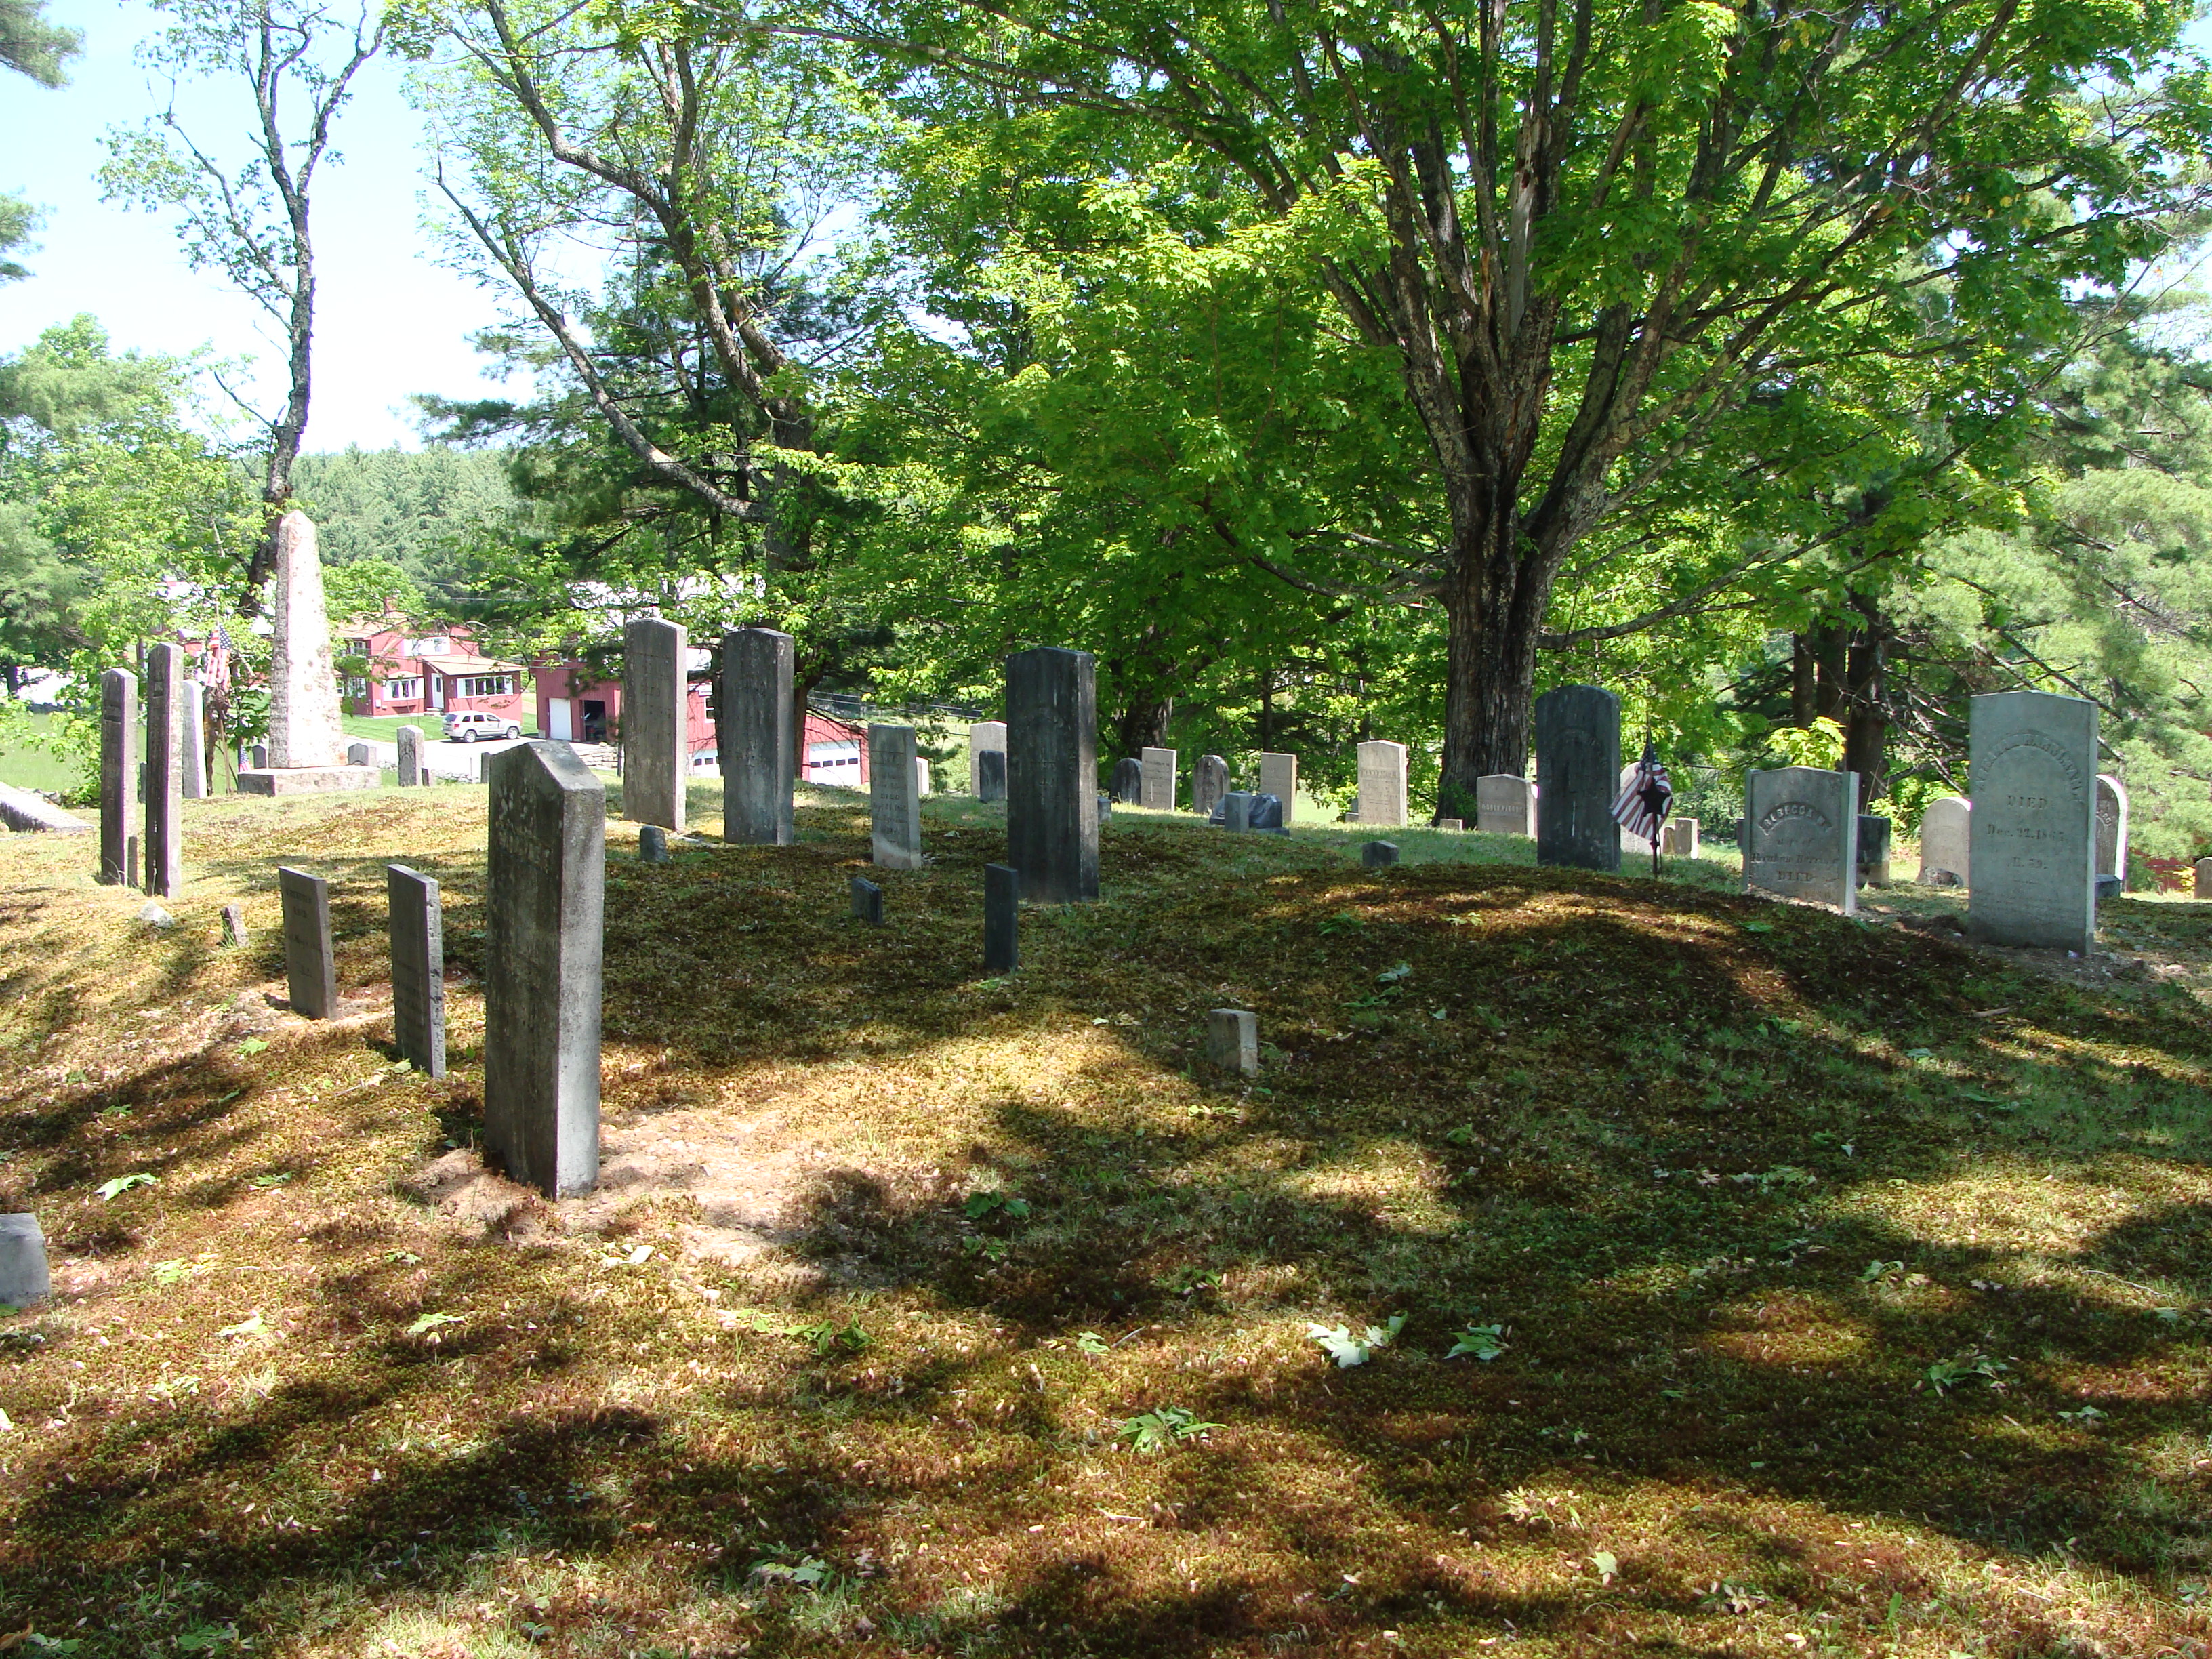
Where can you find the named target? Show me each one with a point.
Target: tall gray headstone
(1947, 833)
(2033, 761)
(545, 914)
(1504, 804)
(23, 1276)
(1801, 834)
(894, 808)
(1002, 919)
(164, 850)
(418, 967)
(1128, 781)
(311, 977)
(990, 769)
(2112, 826)
(1209, 783)
(656, 757)
(410, 739)
(191, 740)
(1157, 784)
(1052, 774)
(119, 777)
(1382, 784)
(758, 739)
(1577, 776)
(1279, 776)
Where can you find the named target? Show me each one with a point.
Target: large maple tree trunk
(1493, 599)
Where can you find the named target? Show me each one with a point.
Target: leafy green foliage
(1161, 1428)
(1483, 1342)
(122, 1184)
(1338, 1343)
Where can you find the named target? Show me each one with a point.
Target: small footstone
(358, 754)
(23, 1278)
(652, 845)
(154, 916)
(310, 972)
(1233, 1036)
(1451, 823)
(2109, 887)
(234, 926)
(1379, 854)
(1002, 926)
(867, 901)
(1105, 806)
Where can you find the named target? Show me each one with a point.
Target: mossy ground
(1733, 1177)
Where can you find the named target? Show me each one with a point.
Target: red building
(576, 705)
(426, 671)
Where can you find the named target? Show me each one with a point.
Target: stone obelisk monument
(307, 746)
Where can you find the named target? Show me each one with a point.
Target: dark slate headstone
(1578, 776)
(118, 776)
(545, 914)
(990, 774)
(258, 754)
(1052, 774)
(360, 754)
(310, 967)
(2109, 887)
(407, 740)
(652, 844)
(1873, 850)
(867, 901)
(1379, 854)
(165, 775)
(1266, 815)
(1002, 919)
(418, 967)
(655, 722)
(1209, 782)
(1128, 781)
(23, 1275)
(758, 738)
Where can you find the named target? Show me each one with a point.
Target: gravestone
(652, 845)
(894, 809)
(1382, 784)
(1873, 850)
(989, 766)
(2033, 761)
(1236, 811)
(119, 777)
(2112, 827)
(234, 927)
(1678, 838)
(1232, 1041)
(1379, 854)
(988, 738)
(257, 753)
(416, 916)
(656, 755)
(1002, 919)
(1946, 830)
(306, 751)
(1279, 776)
(191, 740)
(1266, 815)
(1105, 808)
(1458, 825)
(2204, 878)
(1052, 774)
(164, 850)
(310, 967)
(1157, 780)
(867, 901)
(23, 1276)
(34, 814)
(1577, 777)
(759, 726)
(544, 915)
(1504, 804)
(410, 757)
(920, 776)
(1801, 834)
(1209, 782)
(360, 754)
(1128, 786)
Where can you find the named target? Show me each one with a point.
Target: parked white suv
(467, 725)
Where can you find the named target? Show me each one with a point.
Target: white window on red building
(436, 645)
(488, 685)
(405, 689)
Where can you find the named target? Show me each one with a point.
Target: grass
(1848, 1287)
(35, 769)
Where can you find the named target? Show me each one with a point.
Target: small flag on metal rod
(1643, 805)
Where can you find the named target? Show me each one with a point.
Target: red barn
(575, 705)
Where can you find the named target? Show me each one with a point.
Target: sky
(390, 322)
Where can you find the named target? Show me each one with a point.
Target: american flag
(1642, 807)
(214, 661)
